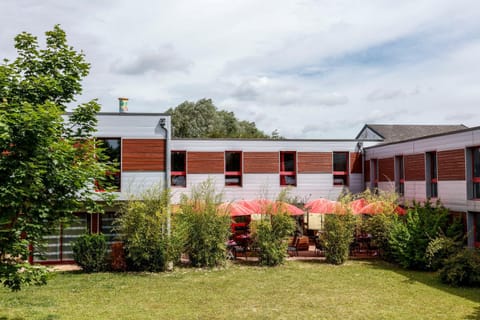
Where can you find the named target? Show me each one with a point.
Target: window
(112, 151)
(233, 168)
(476, 172)
(288, 173)
(340, 168)
(178, 175)
(431, 174)
(400, 175)
(374, 173)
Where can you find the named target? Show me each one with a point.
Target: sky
(313, 69)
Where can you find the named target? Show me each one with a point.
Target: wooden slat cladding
(355, 162)
(414, 167)
(366, 174)
(315, 162)
(205, 162)
(143, 155)
(261, 162)
(451, 165)
(386, 169)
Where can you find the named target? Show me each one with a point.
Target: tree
(202, 119)
(48, 162)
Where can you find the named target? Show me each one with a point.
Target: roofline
(125, 114)
(375, 131)
(272, 140)
(425, 137)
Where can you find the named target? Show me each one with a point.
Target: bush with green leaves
(440, 249)
(338, 236)
(150, 236)
(206, 229)
(462, 269)
(409, 239)
(90, 252)
(379, 227)
(270, 237)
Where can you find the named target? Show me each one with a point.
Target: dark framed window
(112, 150)
(178, 174)
(233, 168)
(288, 168)
(431, 171)
(340, 168)
(374, 173)
(476, 172)
(400, 175)
(476, 230)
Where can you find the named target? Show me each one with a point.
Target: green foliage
(462, 269)
(379, 226)
(409, 239)
(143, 225)
(47, 163)
(338, 236)
(270, 237)
(206, 230)
(90, 252)
(440, 249)
(202, 119)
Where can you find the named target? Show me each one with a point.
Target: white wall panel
(134, 183)
(415, 190)
(131, 125)
(453, 194)
(388, 186)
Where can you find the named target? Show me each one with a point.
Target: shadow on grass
(49, 317)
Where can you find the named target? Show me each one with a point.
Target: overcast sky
(311, 69)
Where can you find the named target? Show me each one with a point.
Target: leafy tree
(202, 119)
(47, 163)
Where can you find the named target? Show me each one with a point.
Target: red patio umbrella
(379, 207)
(324, 206)
(263, 206)
(234, 209)
(357, 205)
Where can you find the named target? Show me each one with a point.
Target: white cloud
(309, 68)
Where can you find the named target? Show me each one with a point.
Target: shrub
(270, 237)
(379, 227)
(409, 240)
(441, 248)
(205, 229)
(143, 226)
(338, 236)
(90, 252)
(462, 269)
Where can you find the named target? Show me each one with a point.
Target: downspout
(165, 124)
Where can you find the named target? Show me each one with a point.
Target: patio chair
(292, 248)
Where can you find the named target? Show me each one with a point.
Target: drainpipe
(164, 124)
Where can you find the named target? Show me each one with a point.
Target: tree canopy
(202, 119)
(48, 161)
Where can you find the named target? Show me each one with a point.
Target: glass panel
(340, 180)
(477, 227)
(107, 227)
(178, 161)
(179, 181)
(401, 189)
(112, 152)
(233, 161)
(233, 180)
(476, 190)
(340, 161)
(288, 163)
(433, 165)
(50, 251)
(476, 162)
(434, 190)
(400, 168)
(71, 233)
(288, 180)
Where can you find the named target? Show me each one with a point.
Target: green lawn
(296, 290)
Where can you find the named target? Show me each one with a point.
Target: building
(419, 162)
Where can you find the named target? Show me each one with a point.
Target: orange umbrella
(324, 206)
(262, 206)
(379, 207)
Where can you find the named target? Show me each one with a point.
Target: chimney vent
(122, 104)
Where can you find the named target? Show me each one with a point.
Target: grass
(296, 290)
